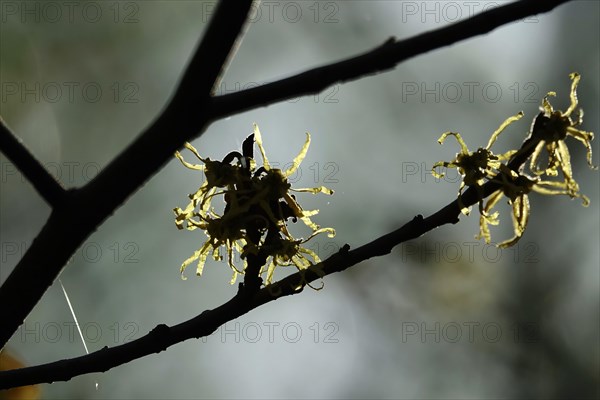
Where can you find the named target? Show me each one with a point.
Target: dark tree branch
(84, 209)
(383, 58)
(186, 116)
(44, 183)
(163, 336)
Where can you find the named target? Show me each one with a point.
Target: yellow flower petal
(197, 167)
(585, 138)
(459, 139)
(299, 158)
(316, 190)
(575, 77)
(502, 127)
(258, 141)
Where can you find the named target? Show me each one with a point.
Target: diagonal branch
(44, 183)
(84, 209)
(163, 336)
(186, 116)
(382, 58)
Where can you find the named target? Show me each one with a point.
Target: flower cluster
(476, 166)
(258, 204)
(549, 130)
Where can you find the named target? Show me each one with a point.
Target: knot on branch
(160, 335)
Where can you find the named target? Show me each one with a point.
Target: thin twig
(44, 183)
(380, 59)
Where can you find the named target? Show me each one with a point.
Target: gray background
(444, 316)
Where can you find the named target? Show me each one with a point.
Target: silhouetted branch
(83, 210)
(163, 336)
(186, 116)
(44, 183)
(380, 59)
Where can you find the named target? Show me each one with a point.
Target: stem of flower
(255, 260)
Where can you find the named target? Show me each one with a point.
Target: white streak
(74, 316)
(75, 319)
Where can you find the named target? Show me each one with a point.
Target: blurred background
(444, 316)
